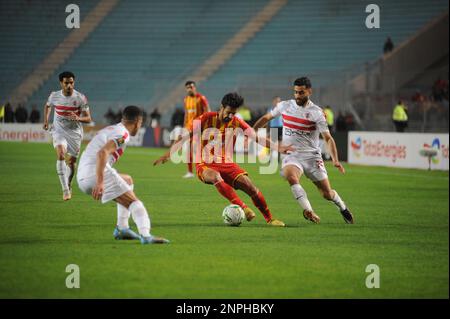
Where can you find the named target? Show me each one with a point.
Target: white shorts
(114, 184)
(71, 143)
(313, 168)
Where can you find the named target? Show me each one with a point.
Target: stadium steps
(220, 57)
(62, 52)
(393, 71)
(326, 40)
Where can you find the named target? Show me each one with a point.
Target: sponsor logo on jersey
(120, 141)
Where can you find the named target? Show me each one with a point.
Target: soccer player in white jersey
(97, 177)
(71, 109)
(303, 121)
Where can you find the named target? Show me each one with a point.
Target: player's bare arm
(84, 118)
(206, 108)
(262, 121)
(47, 110)
(102, 158)
(176, 146)
(333, 151)
(266, 142)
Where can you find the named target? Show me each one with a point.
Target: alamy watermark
(73, 279)
(373, 19)
(73, 19)
(231, 145)
(373, 279)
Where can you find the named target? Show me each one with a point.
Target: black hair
(66, 74)
(189, 83)
(232, 100)
(303, 81)
(132, 113)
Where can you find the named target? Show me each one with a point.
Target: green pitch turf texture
(401, 226)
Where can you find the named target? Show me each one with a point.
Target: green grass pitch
(401, 225)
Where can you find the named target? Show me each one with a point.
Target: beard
(301, 102)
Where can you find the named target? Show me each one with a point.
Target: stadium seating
(314, 37)
(29, 31)
(144, 48)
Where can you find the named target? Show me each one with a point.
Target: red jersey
(217, 138)
(194, 106)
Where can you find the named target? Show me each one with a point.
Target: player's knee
(216, 178)
(212, 178)
(327, 194)
(128, 179)
(292, 179)
(253, 191)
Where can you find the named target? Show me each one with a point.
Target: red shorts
(229, 171)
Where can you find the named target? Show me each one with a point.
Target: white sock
(123, 214)
(140, 217)
(61, 170)
(338, 201)
(300, 195)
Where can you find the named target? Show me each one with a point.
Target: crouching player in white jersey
(71, 109)
(302, 123)
(97, 177)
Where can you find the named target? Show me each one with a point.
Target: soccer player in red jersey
(218, 130)
(195, 104)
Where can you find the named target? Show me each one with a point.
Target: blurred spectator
(349, 121)
(35, 115)
(118, 118)
(144, 118)
(418, 97)
(155, 117)
(329, 115)
(245, 114)
(21, 114)
(440, 90)
(276, 122)
(177, 118)
(400, 117)
(388, 45)
(341, 124)
(110, 116)
(9, 113)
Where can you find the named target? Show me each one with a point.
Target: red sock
(228, 192)
(190, 167)
(260, 202)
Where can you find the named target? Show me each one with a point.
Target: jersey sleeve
(202, 118)
(204, 103)
(84, 103)
(119, 137)
(276, 111)
(321, 122)
(50, 100)
(242, 124)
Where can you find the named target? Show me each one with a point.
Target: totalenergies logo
(356, 146)
(437, 147)
(378, 148)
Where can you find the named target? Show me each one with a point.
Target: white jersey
(301, 126)
(88, 161)
(63, 105)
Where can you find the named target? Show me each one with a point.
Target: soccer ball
(233, 215)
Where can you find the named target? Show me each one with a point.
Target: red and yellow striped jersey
(194, 106)
(217, 138)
